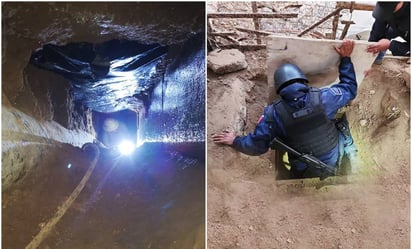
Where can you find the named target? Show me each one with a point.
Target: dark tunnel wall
(47, 96)
(177, 111)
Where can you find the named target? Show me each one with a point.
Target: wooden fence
(232, 42)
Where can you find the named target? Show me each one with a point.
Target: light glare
(126, 147)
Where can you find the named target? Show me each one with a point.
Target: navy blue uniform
(333, 98)
(398, 25)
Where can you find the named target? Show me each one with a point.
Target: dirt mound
(248, 209)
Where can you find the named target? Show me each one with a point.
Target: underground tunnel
(103, 125)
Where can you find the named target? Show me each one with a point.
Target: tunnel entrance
(115, 128)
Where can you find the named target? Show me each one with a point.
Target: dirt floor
(248, 208)
(153, 199)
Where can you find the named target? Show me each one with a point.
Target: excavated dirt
(247, 208)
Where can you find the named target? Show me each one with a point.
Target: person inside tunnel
(117, 131)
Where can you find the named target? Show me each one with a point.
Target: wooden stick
(318, 35)
(210, 26)
(321, 21)
(345, 29)
(356, 6)
(250, 15)
(229, 38)
(243, 47)
(221, 33)
(260, 32)
(335, 23)
(256, 22)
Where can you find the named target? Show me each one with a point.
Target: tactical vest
(308, 130)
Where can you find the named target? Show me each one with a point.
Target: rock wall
(25, 140)
(38, 117)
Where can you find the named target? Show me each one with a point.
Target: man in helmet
(392, 19)
(303, 117)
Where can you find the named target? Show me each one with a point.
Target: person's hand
(381, 45)
(224, 137)
(346, 48)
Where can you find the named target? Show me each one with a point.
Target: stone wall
(25, 140)
(40, 115)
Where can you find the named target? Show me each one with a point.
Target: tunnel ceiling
(113, 48)
(109, 76)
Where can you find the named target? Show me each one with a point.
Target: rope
(61, 210)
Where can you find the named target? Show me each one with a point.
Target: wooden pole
(250, 15)
(221, 33)
(335, 24)
(321, 21)
(210, 41)
(256, 22)
(245, 47)
(345, 29)
(355, 6)
(260, 32)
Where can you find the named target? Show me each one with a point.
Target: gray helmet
(286, 74)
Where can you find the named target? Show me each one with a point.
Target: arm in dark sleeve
(400, 48)
(378, 31)
(347, 78)
(255, 143)
(338, 95)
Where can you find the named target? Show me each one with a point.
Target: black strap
(270, 118)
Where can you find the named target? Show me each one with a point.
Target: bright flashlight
(126, 147)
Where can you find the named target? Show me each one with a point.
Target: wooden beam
(318, 35)
(321, 21)
(356, 6)
(245, 47)
(229, 38)
(345, 29)
(256, 22)
(335, 24)
(347, 22)
(250, 15)
(221, 33)
(210, 41)
(260, 32)
(210, 27)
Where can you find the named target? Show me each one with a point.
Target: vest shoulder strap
(314, 96)
(270, 118)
